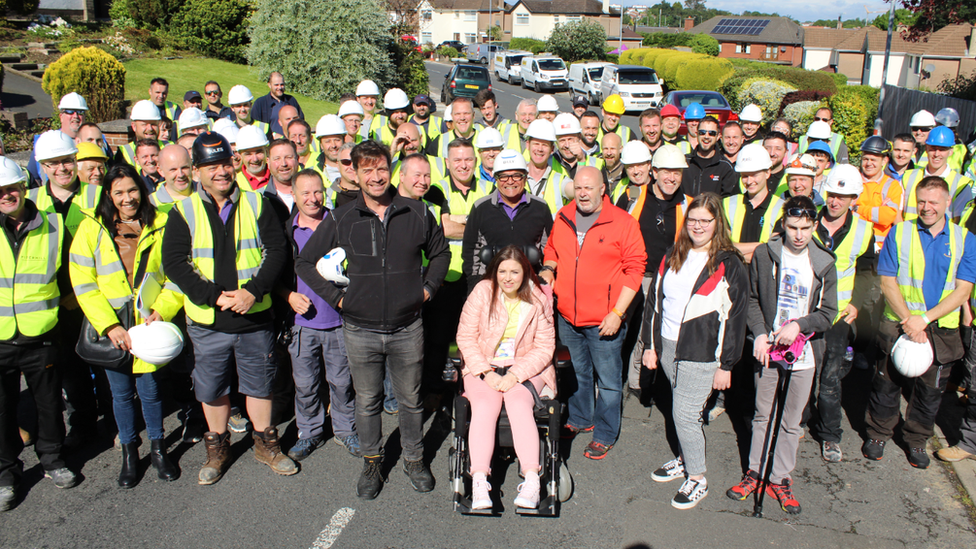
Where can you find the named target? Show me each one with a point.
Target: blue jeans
(124, 387)
(592, 354)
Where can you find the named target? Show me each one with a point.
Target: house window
(521, 19)
(772, 52)
(470, 16)
(743, 48)
(469, 38)
(555, 19)
(573, 18)
(426, 38)
(427, 15)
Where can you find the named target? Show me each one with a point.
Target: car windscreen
(596, 74)
(703, 99)
(636, 77)
(515, 60)
(465, 73)
(551, 64)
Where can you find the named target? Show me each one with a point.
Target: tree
(341, 43)
(703, 43)
(932, 15)
(902, 17)
(695, 5)
(578, 40)
(215, 28)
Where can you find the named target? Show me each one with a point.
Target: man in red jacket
(594, 260)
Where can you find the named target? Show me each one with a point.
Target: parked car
(456, 44)
(638, 86)
(584, 79)
(508, 65)
(412, 42)
(464, 80)
(481, 53)
(544, 73)
(714, 103)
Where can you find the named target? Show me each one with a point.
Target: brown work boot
(954, 453)
(267, 450)
(218, 454)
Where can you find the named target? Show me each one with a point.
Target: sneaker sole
(595, 457)
(690, 504)
(735, 496)
(525, 504)
(657, 478)
(926, 466)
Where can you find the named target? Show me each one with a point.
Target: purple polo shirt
(510, 211)
(321, 315)
(225, 211)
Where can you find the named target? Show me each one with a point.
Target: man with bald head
(613, 170)
(286, 114)
(266, 107)
(408, 142)
(594, 260)
(177, 170)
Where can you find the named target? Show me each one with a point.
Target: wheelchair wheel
(565, 487)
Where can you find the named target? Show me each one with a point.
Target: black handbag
(98, 350)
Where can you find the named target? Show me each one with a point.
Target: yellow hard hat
(614, 105)
(88, 151)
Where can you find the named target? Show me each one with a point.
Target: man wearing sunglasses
(71, 111)
(215, 109)
(824, 132)
(707, 171)
(921, 124)
(938, 147)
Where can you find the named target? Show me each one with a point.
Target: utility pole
(884, 72)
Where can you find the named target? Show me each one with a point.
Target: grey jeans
(691, 383)
(784, 459)
(310, 349)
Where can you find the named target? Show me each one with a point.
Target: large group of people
(752, 269)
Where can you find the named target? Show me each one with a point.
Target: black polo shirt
(752, 221)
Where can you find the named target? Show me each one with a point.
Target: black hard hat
(875, 145)
(210, 147)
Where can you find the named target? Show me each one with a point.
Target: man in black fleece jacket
(385, 237)
(707, 170)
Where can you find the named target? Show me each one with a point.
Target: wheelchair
(556, 483)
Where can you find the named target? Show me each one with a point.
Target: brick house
(769, 39)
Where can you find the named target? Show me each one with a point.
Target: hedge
(681, 70)
(802, 95)
(93, 73)
(651, 55)
(854, 110)
(703, 74)
(800, 79)
(800, 114)
(768, 94)
(527, 44)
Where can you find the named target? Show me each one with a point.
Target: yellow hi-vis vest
(29, 293)
(86, 198)
(164, 201)
(551, 187)
(512, 138)
(460, 205)
(853, 246)
(624, 132)
(438, 169)
(735, 211)
(835, 141)
(250, 250)
(957, 185)
(911, 270)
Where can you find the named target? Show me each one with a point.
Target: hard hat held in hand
(331, 266)
(911, 359)
(157, 343)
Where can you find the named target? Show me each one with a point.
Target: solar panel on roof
(749, 27)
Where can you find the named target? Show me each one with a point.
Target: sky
(802, 10)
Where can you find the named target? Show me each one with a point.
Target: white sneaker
(528, 496)
(691, 492)
(479, 492)
(671, 470)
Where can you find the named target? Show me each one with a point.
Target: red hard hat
(670, 110)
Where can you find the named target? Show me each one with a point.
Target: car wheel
(522, 83)
(535, 86)
(484, 60)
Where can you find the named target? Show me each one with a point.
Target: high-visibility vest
(854, 245)
(880, 231)
(29, 293)
(620, 189)
(432, 128)
(735, 211)
(957, 157)
(172, 111)
(624, 132)
(164, 201)
(129, 153)
(460, 205)
(552, 188)
(512, 138)
(637, 206)
(911, 270)
(385, 135)
(438, 170)
(836, 140)
(682, 145)
(958, 184)
(250, 255)
(446, 138)
(86, 198)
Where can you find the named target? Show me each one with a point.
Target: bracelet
(926, 319)
(616, 312)
(547, 268)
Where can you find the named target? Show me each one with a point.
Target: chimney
(839, 24)
(606, 7)
(689, 23)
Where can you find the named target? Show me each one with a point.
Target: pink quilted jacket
(535, 341)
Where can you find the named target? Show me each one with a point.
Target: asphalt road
(23, 95)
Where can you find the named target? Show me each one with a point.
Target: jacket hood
(821, 257)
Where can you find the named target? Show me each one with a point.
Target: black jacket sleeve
(729, 181)
(275, 252)
(865, 275)
(176, 253)
(322, 241)
(650, 304)
(735, 326)
(438, 256)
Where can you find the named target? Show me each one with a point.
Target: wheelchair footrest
(548, 507)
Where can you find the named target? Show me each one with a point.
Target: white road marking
(332, 532)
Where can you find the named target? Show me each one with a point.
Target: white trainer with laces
(671, 470)
(528, 496)
(691, 492)
(479, 491)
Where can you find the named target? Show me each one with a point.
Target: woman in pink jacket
(507, 340)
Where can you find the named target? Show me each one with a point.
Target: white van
(544, 73)
(585, 78)
(638, 86)
(481, 53)
(508, 65)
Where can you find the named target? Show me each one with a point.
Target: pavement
(22, 94)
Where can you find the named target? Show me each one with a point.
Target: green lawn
(191, 74)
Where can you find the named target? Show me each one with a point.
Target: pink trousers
(486, 405)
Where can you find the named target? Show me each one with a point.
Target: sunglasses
(921, 129)
(821, 119)
(345, 161)
(712, 133)
(73, 112)
(212, 92)
(801, 212)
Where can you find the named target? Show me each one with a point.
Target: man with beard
(590, 132)
(650, 127)
(732, 137)
(613, 169)
(396, 103)
(707, 170)
(430, 124)
(670, 124)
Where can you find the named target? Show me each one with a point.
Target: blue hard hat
(941, 136)
(694, 112)
(822, 147)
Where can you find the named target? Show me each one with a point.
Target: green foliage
(341, 43)
(963, 87)
(93, 73)
(673, 63)
(215, 28)
(768, 94)
(800, 115)
(527, 44)
(854, 110)
(703, 43)
(840, 79)
(902, 17)
(23, 7)
(119, 13)
(702, 74)
(410, 71)
(450, 52)
(153, 14)
(650, 56)
(627, 57)
(578, 40)
(794, 76)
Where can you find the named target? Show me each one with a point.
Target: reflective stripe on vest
(735, 212)
(853, 246)
(40, 197)
(679, 213)
(460, 205)
(911, 270)
(551, 187)
(957, 184)
(29, 293)
(250, 254)
(835, 140)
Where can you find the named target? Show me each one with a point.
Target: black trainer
(419, 474)
(873, 449)
(918, 458)
(371, 481)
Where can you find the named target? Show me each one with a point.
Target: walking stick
(766, 463)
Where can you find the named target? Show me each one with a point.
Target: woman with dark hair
(507, 339)
(117, 246)
(694, 326)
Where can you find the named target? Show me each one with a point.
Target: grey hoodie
(764, 272)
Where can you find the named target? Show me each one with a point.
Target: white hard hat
(367, 87)
(751, 113)
(193, 117)
(802, 164)
(239, 95)
(507, 160)
(911, 359)
(753, 158)
(72, 102)
(351, 107)
(10, 172)
(330, 266)
(251, 137)
(669, 157)
(227, 128)
(922, 119)
(844, 179)
(157, 343)
(146, 111)
(567, 124)
(330, 124)
(818, 130)
(489, 138)
(547, 103)
(396, 99)
(541, 128)
(635, 152)
(448, 117)
(54, 144)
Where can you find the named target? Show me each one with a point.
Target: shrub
(675, 62)
(23, 7)
(527, 44)
(629, 57)
(410, 71)
(215, 28)
(840, 80)
(854, 110)
(802, 95)
(119, 13)
(450, 52)
(768, 94)
(660, 61)
(703, 74)
(798, 78)
(153, 14)
(800, 114)
(582, 39)
(96, 75)
(962, 86)
(341, 43)
(705, 44)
